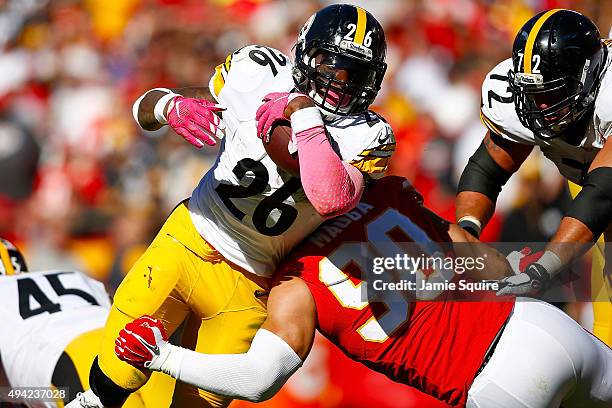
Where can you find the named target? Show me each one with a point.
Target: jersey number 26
(273, 204)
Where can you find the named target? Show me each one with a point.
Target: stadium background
(82, 187)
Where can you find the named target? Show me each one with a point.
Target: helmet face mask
(339, 84)
(548, 109)
(558, 59)
(340, 72)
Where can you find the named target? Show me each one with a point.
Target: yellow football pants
(81, 352)
(601, 283)
(177, 275)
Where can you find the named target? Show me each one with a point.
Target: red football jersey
(437, 346)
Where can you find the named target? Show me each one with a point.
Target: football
(278, 151)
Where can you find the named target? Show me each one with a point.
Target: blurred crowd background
(83, 187)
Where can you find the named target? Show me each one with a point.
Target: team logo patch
(528, 79)
(360, 49)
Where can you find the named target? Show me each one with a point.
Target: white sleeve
(254, 376)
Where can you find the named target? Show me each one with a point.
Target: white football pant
(544, 359)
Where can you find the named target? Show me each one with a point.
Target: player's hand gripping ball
(143, 343)
(273, 111)
(196, 120)
(273, 128)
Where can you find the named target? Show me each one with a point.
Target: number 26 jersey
(247, 208)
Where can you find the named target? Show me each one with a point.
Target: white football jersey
(499, 116)
(246, 207)
(40, 314)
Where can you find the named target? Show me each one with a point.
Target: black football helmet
(558, 59)
(12, 261)
(340, 59)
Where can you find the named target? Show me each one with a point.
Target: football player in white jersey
(52, 323)
(216, 251)
(556, 93)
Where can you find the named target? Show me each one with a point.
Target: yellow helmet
(12, 261)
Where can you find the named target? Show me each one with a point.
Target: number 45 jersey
(247, 208)
(40, 314)
(573, 160)
(435, 346)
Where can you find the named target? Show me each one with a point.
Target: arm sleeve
(254, 376)
(332, 186)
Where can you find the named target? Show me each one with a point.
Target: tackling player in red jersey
(475, 354)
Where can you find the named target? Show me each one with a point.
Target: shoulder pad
(603, 107)
(372, 144)
(247, 75)
(604, 96)
(497, 111)
(603, 102)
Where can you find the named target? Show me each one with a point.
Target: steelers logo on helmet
(558, 59)
(12, 261)
(340, 59)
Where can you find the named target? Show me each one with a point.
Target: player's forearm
(571, 240)
(471, 204)
(332, 186)
(254, 376)
(144, 107)
(480, 184)
(588, 217)
(487, 171)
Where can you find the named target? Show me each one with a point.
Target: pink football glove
(196, 120)
(142, 343)
(272, 111)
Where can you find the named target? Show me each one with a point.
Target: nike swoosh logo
(178, 112)
(154, 348)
